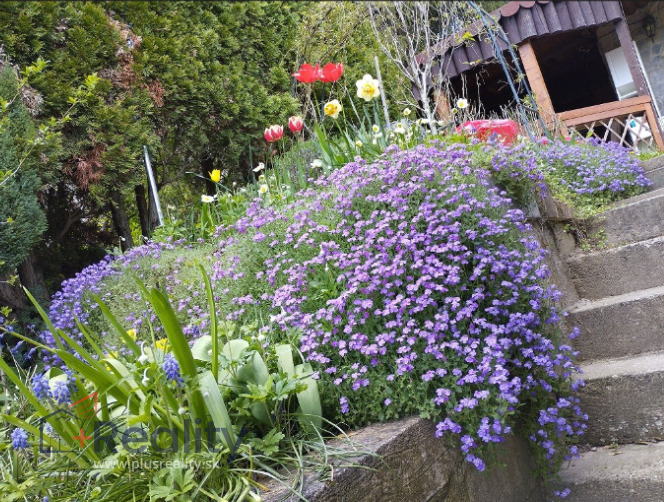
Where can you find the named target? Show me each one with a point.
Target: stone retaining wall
(405, 462)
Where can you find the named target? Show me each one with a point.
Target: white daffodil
(406, 112)
(206, 199)
(259, 168)
(375, 128)
(358, 144)
(263, 189)
(462, 103)
(368, 88)
(317, 163)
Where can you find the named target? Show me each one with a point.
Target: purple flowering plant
(412, 284)
(415, 288)
(591, 174)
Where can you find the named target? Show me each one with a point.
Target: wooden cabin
(594, 67)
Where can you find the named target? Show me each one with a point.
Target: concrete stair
(654, 169)
(621, 316)
(630, 473)
(636, 219)
(619, 270)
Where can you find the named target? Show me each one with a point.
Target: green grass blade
(118, 327)
(213, 323)
(88, 338)
(45, 318)
(180, 348)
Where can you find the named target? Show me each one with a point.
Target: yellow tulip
(215, 175)
(132, 334)
(163, 344)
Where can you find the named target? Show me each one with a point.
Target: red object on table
(502, 129)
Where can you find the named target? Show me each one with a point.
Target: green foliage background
(197, 82)
(22, 221)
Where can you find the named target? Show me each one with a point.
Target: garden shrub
(413, 286)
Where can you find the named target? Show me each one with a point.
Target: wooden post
(536, 81)
(622, 29)
(630, 55)
(654, 127)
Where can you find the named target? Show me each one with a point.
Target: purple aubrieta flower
(19, 439)
(172, 369)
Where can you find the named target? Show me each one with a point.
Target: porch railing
(630, 122)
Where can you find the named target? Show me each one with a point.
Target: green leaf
(202, 349)
(285, 358)
(216, 406)
(180, 347)
(309, 398)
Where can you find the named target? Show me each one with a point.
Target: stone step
(653, 164)
(619, 326)
(635, 219)
(619, 270)
(623, 399)
(633, 473)
(657, 178)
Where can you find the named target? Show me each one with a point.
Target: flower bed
(413, 287)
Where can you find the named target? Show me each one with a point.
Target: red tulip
(308, 74)
(295, 124)
(273, 133)
(332, 72)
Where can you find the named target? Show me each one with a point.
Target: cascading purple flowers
(412, 277)
(415, 287)
(595, 167)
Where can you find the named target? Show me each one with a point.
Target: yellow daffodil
(132, 334)
(215, 175)
(332, 108)
(368, 88)
(162, 344)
